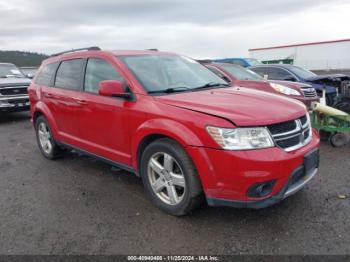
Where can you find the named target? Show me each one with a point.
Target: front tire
(47, 144)
(170, 177)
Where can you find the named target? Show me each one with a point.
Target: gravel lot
(78, 205)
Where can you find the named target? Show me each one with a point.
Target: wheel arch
(42, 110)
(159, 128)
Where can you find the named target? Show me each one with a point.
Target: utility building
(328, 55)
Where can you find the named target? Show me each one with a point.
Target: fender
(160, 126)
(42, 108)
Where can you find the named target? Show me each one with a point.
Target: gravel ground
(78, 205)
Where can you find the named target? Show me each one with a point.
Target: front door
(103, 121)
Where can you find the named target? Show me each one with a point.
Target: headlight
(241, 138)
(285, 89)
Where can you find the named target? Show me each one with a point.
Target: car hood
(241, 106)
(14, 82)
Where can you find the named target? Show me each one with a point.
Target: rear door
(104, 121)
(68, 84)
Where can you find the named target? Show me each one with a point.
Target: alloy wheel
(166, 178)
(44, 138)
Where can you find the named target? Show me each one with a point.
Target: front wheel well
(36, 115)
(144, 143)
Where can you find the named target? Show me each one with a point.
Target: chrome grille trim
(304, 131)
(309, 92)
(6, 90)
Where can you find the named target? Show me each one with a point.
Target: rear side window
(46, 74)
(98, 70)
(69, 74)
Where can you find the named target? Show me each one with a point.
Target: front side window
(240, 73)
(69, 74)
(259, 70)
(46, 74)
(277, 73)
(158, 73)
(98, 70)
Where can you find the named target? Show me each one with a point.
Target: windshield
(9, 70)
(253, 61)
(241, 73)
(159, 73)
(301, 72)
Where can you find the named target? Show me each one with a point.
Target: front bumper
(288, 190)
(14, 103)
(226, 176)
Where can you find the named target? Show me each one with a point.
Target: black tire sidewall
(191, 179)
(39, 120)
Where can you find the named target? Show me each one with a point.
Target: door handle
(48, 95)
(81, 101)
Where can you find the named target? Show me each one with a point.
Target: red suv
(170, 120)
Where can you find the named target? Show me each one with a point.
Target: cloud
(198, 28)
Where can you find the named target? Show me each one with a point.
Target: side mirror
(113, 88)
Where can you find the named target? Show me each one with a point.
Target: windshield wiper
(170, 90)
(211, 84)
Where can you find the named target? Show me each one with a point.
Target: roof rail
(78, 49)
(152, 49)
(204, 61)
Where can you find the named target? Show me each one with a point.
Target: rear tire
(343, 105)
(170, 177)
(339, 139)
(47, 144)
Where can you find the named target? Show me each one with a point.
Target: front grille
(13, 90)
(309, 92)
(293, 134)
(18, 101)
(282, 127)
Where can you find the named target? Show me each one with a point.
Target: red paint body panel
(113, 128)
(239, 105)
(228, 175)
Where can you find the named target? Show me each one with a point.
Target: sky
(197, 28)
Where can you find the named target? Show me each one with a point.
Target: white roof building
(326, 55)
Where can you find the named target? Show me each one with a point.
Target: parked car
(245, 62)
(29, 71)
(177, 125)
(297, 74)
(240, 76)
(13, 89)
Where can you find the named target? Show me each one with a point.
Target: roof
(75, 54)
(138, 52)
(303, 44)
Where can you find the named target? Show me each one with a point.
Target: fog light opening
(261, 189)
